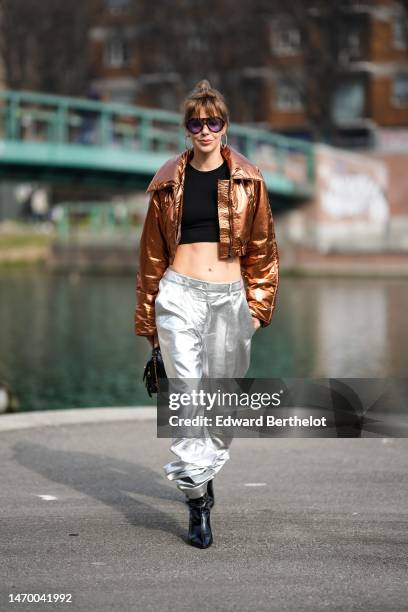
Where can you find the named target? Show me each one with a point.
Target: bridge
(48, 138)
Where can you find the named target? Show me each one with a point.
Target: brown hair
(203, 96)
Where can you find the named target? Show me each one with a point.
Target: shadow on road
(113, 482)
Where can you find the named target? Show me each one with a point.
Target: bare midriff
(201, 260)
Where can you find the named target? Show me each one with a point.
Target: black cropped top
(199, 222)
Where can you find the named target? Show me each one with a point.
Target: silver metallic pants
(205, 331)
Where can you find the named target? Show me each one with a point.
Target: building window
(287, 96)
(400, 90)
(196, 43)
(123, 96)
(285, 38)
(117, 7)
(117, 52)
(399, 30)
(348, 101)
(351, 46)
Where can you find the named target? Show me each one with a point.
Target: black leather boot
(199, 531)
(210, 491)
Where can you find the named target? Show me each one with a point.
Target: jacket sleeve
(153, 262)
(260, 264)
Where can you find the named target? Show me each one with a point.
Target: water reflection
(67, 340)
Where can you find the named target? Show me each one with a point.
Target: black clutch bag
(154, 370)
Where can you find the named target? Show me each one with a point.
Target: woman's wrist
(153, 340)
(256, 321)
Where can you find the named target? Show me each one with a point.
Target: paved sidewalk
(299, 524)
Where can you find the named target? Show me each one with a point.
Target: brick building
(369, 101)
(371, 85)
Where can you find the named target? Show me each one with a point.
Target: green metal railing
(58, 121)
(96, 220)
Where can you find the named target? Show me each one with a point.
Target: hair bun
(203, 88)
(203, 85)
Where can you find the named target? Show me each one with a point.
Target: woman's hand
(256, 322)
(153, 340)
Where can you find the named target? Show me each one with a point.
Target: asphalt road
(298, 524)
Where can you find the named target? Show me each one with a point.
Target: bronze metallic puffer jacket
(246, 229)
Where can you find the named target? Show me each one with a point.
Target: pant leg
(228, 335)
(180, 342)
(180, 320)
(201, 335)
(227, 353)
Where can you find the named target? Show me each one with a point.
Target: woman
(207, 279)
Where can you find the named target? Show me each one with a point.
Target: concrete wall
(360, 205)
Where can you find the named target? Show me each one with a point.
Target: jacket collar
(171, 173)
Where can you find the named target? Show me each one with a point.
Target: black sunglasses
(195, 125)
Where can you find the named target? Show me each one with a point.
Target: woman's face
(206, 141)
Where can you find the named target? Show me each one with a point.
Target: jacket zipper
(179, 217)
(180, 212)
(230, 219)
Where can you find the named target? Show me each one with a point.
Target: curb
(74, 416)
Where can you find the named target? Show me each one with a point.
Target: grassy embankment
(24, 244)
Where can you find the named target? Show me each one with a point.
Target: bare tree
(322, 26)
(44, 45)
(225, 41)
(193, 40)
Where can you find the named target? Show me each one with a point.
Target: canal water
(67, 340)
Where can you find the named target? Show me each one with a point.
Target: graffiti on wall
(352, 187)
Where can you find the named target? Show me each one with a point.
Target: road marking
(255, 484)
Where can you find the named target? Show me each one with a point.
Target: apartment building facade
(370, 90)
